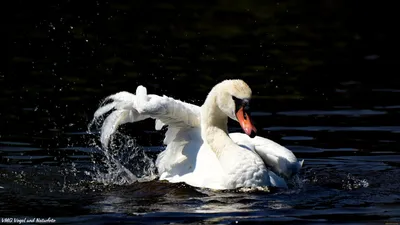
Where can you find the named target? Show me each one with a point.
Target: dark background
(64, 57)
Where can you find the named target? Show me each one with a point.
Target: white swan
(199, 151)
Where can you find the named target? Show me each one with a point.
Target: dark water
(323, 75)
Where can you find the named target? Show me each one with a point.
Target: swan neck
(214, 125)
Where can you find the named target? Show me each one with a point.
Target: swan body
(199, 150)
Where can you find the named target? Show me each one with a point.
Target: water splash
(351, 183)
(296, 183)
(123, 162)
(254, 189)
(334, 179)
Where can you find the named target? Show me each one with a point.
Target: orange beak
(245, 122)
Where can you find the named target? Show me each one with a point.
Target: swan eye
(239, 103)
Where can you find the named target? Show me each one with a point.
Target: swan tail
(300, 164)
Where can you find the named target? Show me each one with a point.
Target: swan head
(233, 98)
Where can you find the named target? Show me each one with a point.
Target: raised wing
(129, 108)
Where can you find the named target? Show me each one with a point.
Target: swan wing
(182, 138)
(280, 159)
(128, 108)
